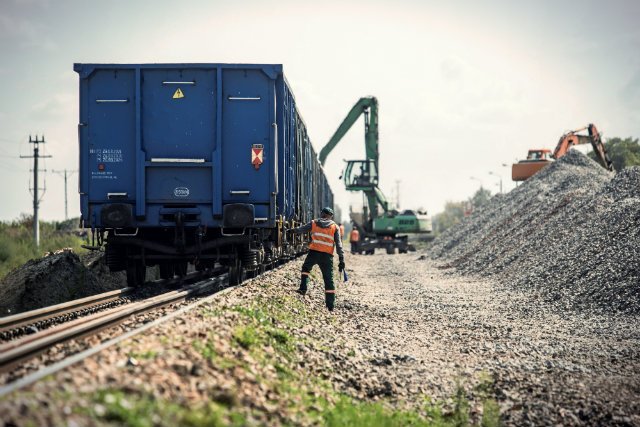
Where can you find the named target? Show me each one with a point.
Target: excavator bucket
(526, 169)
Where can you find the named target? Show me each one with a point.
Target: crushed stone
(403, 330)
(569, 235)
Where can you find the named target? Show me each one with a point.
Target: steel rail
(27, 318)
(73, 359)
(14, 352)
(20, 320)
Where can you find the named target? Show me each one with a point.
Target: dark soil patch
(55, 279)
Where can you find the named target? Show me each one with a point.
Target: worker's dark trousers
(354, 247)
(325, 262)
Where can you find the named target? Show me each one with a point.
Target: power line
(64, 173)
(9, 167)
(36, 195)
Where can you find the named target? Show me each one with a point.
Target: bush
(17, 246)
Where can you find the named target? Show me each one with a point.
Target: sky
(464, 87)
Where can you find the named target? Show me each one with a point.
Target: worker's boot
(330, 298)
(303, 284)
(329, 287)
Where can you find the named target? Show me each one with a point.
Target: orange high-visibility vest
(355, 235)
(341, 231)
(322, 238)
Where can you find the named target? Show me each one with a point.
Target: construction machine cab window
(539, 155)
(361, 173)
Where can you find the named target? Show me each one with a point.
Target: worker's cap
(327, 210)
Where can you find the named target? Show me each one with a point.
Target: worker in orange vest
(354, 238)
(341, 231)
(325, 235)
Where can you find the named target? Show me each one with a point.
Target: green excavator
(379, 226)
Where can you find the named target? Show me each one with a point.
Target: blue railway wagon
(200, 163)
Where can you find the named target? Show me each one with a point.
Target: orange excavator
(539, 158)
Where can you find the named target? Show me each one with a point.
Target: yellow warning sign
(178, 94)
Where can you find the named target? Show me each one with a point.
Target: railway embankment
(260, 355)
(408, 341)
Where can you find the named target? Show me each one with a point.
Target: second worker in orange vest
(354, 238)
(325, 234)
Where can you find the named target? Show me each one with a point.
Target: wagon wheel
(166, 270)
(181, 268)
(236, 272)
(136, 274)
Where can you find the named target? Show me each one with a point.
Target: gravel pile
(54, 279)
(570, 235)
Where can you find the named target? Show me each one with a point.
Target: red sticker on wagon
(256, 155)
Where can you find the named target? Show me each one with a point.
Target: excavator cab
(536, 160)
(361, 175)
(538, 155)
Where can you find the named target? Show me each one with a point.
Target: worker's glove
(341, 265)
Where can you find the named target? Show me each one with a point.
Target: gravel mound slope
(570, 234)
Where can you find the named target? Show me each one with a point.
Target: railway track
(16, 352)
(30, 322)
(12, 327)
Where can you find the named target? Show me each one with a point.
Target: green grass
(149, 354)
(207, 350)
(247, 336)
(347, 413)
(17, 246)
(134, 410)
(312, 399)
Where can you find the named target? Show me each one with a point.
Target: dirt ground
(403, 330)
(57, 278)
(547, 367)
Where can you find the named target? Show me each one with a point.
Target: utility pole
(36, 196)
(499, 177)
(64, 175)
(398, 194)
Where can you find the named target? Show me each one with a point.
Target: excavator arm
(598, 148)
(369, 107)
(362, 175)
(367, 179)
(572, 138)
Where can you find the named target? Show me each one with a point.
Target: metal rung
(178, 83)
(102, 101)
(115, 232)
(170, 160)
(116, 195)
(244, 98)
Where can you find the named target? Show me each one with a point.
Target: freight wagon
(206, 164)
